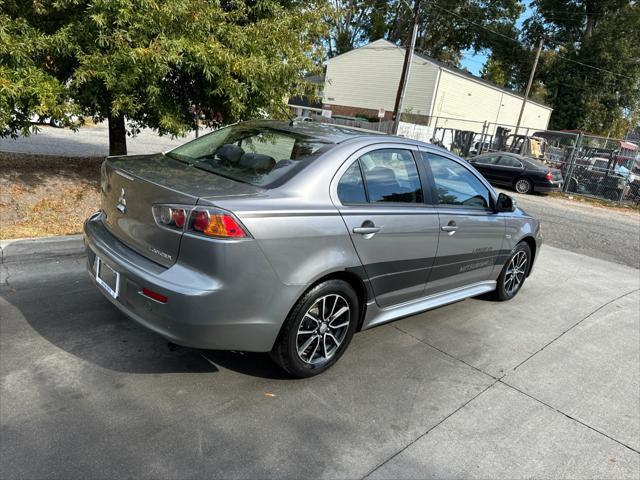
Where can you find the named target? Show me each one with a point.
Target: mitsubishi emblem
(122, 202)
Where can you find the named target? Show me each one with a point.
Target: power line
(573, 12)
(526, 46)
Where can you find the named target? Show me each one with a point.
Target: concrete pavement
(88, 141)
(544, 386)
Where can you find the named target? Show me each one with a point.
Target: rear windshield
(256, 155)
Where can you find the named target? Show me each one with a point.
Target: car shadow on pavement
(48, 296)
(96, 332)
(246, 363)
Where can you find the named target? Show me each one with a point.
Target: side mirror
(505, 203)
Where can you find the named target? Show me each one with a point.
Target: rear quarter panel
(302, 245)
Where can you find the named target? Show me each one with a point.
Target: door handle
(451, 227)
(366, 230)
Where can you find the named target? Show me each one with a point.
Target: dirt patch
(42, 195)
(625, 207)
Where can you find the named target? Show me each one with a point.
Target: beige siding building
(366, 79)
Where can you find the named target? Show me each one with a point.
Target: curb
(36, 249)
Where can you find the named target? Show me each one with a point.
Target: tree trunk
(117, 135)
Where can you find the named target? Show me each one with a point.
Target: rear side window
(506, 161)
(486, 160)
(455, 185)
(351, 186)
(391, 176)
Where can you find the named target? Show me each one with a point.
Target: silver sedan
(289, 237)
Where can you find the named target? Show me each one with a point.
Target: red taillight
(155, 295)
(216, 223)
(549, 176)
(170, 216)
(201, 220)
(178, 216)
(213, 222)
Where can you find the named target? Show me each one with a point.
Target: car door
(394, 229)
(508, 169)
(471, 235)
(485, 165)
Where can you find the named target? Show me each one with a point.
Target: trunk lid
(557, 174)
(131, 185)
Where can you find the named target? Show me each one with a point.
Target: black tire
(523, 185)
(285, 350)
(503, 291)
(612, 195)
(573, 185)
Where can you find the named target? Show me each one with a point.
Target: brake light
(214, 222)
(549, 176)
(178, 216)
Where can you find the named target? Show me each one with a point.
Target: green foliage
(585, 34)
(444, 31)
(494, 71)
(26, 89)
(153, 61)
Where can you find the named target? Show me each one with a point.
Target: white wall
(368, 77)
(467, 103)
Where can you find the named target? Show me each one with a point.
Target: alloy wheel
(523, 186)
(516, 270)
(323, 329)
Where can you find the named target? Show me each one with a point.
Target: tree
(349, 23)
(592, 71)
(444, 32)
(495, 71)
(153, 62)
(447, 29)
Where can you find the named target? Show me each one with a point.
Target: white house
(366, 79)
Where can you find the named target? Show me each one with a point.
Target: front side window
(253, 154)
(455, 185)
(391, 175)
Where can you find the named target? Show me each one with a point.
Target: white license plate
(107, 278)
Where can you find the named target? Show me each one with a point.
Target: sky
(474, 61)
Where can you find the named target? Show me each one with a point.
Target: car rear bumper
(202, 311)
(548, 187)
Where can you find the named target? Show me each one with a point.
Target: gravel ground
(601, 232)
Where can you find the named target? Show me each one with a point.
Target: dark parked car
(523, 174)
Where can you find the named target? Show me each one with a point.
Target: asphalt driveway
(546, 385)
(582, 227)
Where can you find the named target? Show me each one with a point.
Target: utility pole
(406, 68)
(526, 93)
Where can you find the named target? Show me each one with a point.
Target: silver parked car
(287, 238)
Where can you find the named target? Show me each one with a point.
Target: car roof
(510, 154)
(336, 134)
